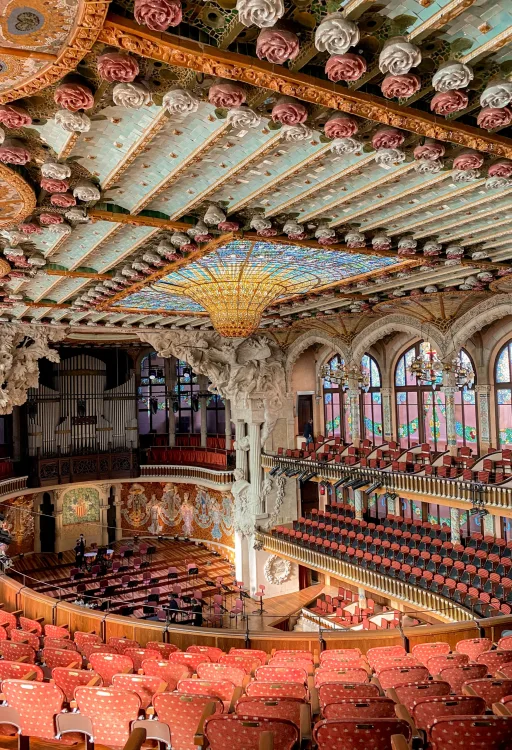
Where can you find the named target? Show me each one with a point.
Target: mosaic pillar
(358, 503)
(483, 393)
(455, 525)
(104, 492)
(355, 419)
(170, 380)
(387, 425)
(449, 389)
(227, 412)
(488, 528)
(361, 593)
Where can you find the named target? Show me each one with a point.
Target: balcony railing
(437, 605)
(224, 478)
(83, 468)
(438, 487)
(15, 484)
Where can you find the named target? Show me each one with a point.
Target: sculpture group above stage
(239, 369)
(21, 348)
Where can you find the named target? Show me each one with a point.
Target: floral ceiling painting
(367, 148)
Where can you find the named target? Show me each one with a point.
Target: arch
(488, 311)
(309, 338)
(392, 324)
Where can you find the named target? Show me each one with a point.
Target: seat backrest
(247, 663)
(97, 648)
(81, 638)
(332, 692)
(121, 644)
(410, 693)
(144, 685)
(221, 689)
(505, 644)
(492, 659)
(352, 734)
(170, 673)
(62, 643)
(359, 708)
(32, 625)
(164, 649)
(296, 653)
(437, 663)
(348, 674)
(15, 651)
(190, 660)
(107, 665)
(492, 691)
(36, 703)
(138, 655)
(270, 690)
(457, 676)
(270, 708)
(182, 713)
(215, 672)
(255, 653)
(23, 636)
(426, 710)
(382, 653)
(69, 679)
(281, 674)
(110, 710)
(212, 652)
(346, 654)
(473, 647)
(56, 631)
(423, 651)
(56, 657)
(16, 670)
(244, 733)
(476, 732)
(394, 676)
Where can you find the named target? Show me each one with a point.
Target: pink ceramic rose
(49, 219)
(491, 118)
(347, 67)
(327, 240)
(117, 66)
(226, 95)
(270, 232)
(448, 102)
(429, 151)
(400, 87)
(13, 116)
(300, 236)
(228, 226)
(468, 160)
(54, 186)
(277, 45)
(387, 138)
(63, 200)
(188, 248)
(289, 112)
(200, 238)
(74, 96)
(29, 228)
(14, 153)
(501, 169)
(158, 15)
(340, 126)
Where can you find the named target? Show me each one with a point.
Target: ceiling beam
(185, 53)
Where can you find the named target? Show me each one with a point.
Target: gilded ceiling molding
(321, 185)
(316, 245)
(18, 198)
(88, 23)
(308, 162)
(368, 188)
(76, 274)
(4, 268)
(153, 313)
(97, 214)
(392, 199)
(69, 145)
(184, 53)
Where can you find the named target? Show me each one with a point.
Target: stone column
(240, 446)
(355, 418)
(483, 395)
(489, 526)
(455, 525)
(449, 389)
(255, 470)
(104, 492)
(358, 503)
(227, 411)
(387, 422)
(38, 499)
(170, 381)
(202, 381)
(16, 434)
(119, 518)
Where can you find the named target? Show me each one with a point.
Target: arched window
(337, 407)
(152, 396)
(503, 386)
(371, 401)
(420, 407)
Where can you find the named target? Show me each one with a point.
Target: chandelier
(464, 374)
(428, 369)
(237, 282)
(341, 375)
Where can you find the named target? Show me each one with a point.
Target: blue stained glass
(375, 374)
(401, 398)
(328, 398)
(400, 372)
(503, 366)
(504, 396)
(376, 398)
(468, 396)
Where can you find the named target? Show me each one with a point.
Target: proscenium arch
(307, 339)
(396, 324)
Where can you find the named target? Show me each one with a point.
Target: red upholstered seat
(221, 689)
(491, 690)
(475, 732)
(214, 672)
(169, 673)
(107, 665)
(111, 712)
(290, 709)
(333, 692)
(212, 652)
(360, 708)
(457, 676)
(473, 647)
(276, 690)
(427, 710)
(36, 704)
(240, 733)
(69, 679)
(144, 685)
(410, 693)
(353, 734)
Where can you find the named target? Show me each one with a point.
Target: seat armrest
(468, 690)
(23, 659)
(136, 739)
(246, 681)
(375, 681)
(315, 703)
(153, 730)
(266, 741)
(199, 733)
(500, 709)
(391, 693)
(95, 681)
(39, 619)
(305, 722)
(398, 742)
(237, 694)
(17, 612)
(32, 675)
(71, 722)
(75, 665)
(9, 715)
(402, 713)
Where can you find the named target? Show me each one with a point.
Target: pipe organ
(80, 415)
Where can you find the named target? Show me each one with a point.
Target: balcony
(438, 606)
(221, 478)
(83, 467)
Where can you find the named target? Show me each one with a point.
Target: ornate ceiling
(319, 159)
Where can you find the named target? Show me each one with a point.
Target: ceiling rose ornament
(117, 66)
(228, 226)
(398, 56)
(63, 200)
(430, 151)
(54, 186)
(355, 239)
(448, 102)
(491, 118)
(341, 146)
(407, 246)
(178, 239)
(74, 96)
(387, 138)
(347, 67)
(277, 45)
(468, 160)
(460, 176)
(158, 15)
(62, 229)
(335, 34)
(53, 171)
(276, 570)
(79, 215)
(389, 157)
(179, 101)
(497, 95)
(381, 242)
(131, 95)
(243, 118)
(298, 132)
(340, 126)
(292, 227)
(86, 191)
(14, 116)
(452, 75)
(426, 166)
(29, 228)
(213, 215)
(454, 251)
(226, 95)
(289, 111)
(261, 13)
(497, 183)
(14, 152)
(73, 122)
(400, 87)
(500, 169)
(431, 249)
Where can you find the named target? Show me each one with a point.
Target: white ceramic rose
(180, 102)
(342, 146)
(389, 157)
(452, 75)
(497, 95)
(335, 34)
(398, 56)
(299, 132)
(73, 122)
(131, 95)
(260, 13)
(243, 118)
(86, 191)
(54, 171)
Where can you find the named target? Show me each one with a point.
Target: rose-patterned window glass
(503, 395)
(466, 425)
(336, 406)
(371, 401)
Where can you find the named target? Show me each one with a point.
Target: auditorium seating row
(60, 686)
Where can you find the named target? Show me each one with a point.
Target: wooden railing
(84, 468)
(438, 487)
(15, 484)
(200, 473)
(439, 606)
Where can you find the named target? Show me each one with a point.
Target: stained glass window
(371, 402)
(336, 406)
(503, 395)
(465, 408)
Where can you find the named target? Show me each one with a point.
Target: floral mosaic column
(387, 426)
(483, 393)
(358, 503)
(355, 419)
(455, 525)
(489, 526)
(451, 432)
